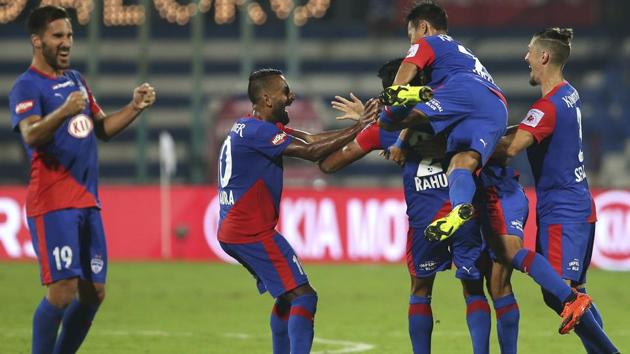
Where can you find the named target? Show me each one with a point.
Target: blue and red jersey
(64, 171)
(444, 58)
(250, 181)
(424, 181)
(557, 157)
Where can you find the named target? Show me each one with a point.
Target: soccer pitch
(188, 308)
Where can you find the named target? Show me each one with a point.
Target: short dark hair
(40, 17)
(430, 12)
(557, 41)
(258, 80)
(387, 73)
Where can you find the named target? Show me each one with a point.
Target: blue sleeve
(24, 101)
(391, 114)
(269, 140)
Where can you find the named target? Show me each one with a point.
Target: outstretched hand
(396, 154)
(350, 109)
(370, 113)
(143, 96)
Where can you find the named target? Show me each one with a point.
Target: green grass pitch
(188, 308)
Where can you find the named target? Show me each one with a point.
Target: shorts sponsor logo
(517, 224)
(80, 126)
(279, 139)
(435, 105)
(428, 265)
(574, 265)
(97, 264)
(413, 50)
(533, 117)
(611, 249)
(24, 106)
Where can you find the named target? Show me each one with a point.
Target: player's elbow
(327, 167)
(32, 139)
(511, 151)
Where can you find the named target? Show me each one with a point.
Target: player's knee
(469, 160)
(91, 293)
(62, 292)
(421, 286)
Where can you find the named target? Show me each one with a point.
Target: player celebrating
(59, 120)
(466, 101)
(552, 134)
(426, 195)
(250, 188)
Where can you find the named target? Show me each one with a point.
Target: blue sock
(594, 310)
(478, 319)
(461, 187)
(280, 327)
(593, 336)
(301, 320)
(508, 316)
(45, 325)
(540, 270)
(77, 320)
(420, 323)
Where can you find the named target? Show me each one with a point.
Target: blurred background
(198, 55)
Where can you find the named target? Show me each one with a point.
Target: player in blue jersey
(58, 120)
(466, 104)
(250, 188)
(426, 195)
(552, 134)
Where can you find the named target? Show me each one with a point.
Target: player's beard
(532, 80)
(284, 117)
(51, 55)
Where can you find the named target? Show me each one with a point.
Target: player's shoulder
(250, 128)
(26, 80)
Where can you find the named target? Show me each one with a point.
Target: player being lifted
(552, 134)
(466, 104)
(426, 196)
(250, 188)
(59, 120)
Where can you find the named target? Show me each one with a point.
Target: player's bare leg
(303, 305)
(420, 315)
(477, 315)
(461, 191)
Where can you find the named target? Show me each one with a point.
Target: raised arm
(321, 148)
(37, 130)
(108, 126)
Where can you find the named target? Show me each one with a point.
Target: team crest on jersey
(279, 138)
(80, 126)
(24, 106)
(413, 50)
(533, 117)
(97, 264)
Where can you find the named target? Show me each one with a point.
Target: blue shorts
(504, 212)
(272, 262)
(70, 243)
(474, 117)
(465, 248)
(568, 248)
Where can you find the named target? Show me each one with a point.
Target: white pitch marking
(346, 346)
(349, 347)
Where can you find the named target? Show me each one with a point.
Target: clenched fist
(143, 96)
(75, 103)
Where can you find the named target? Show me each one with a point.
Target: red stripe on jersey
(252, 218)
(444, 210)
(420, 310)
(554, 239)
(43, 250)
(280, 264)
(410, 265)
(495, 212)
(503, 310)
(301, 311)
(423, 55)
(593, 217)
(477, 305)
(369, 138)
(52, 187)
